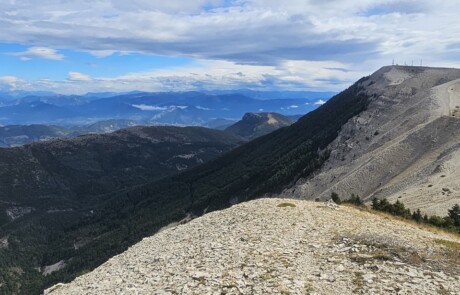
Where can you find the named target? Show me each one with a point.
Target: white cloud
(208, 74)
(203, 108)
(315, 45)
(179, 107)
(245, 31)
(102, 53)
(76, 76)
(39, 52)
(145, 107)
(320, 102)
(9, 79)
(10, 82)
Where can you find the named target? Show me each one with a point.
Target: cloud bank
(306, 44)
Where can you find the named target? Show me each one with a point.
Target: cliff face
(404, 145)
(280, 246)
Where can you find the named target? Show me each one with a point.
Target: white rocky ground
(406, 145)
(261, 248)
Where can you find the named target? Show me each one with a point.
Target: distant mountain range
(252, 125)
(168, 108)
(17, 135)
(264, 95)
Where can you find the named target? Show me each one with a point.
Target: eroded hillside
(403, 146)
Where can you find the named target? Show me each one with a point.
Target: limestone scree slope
(405, 145)
(281, 246)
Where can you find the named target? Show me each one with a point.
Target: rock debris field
(280, 246)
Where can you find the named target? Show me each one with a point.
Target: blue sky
(74, 47)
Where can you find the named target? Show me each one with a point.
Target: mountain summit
(404, 146)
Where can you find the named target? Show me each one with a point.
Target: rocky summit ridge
(404, 146)
(281, 246)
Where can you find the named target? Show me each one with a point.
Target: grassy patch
(381, 248)
(449, 244)
(308, 288)
(358, 281)
(282, 205)
(451, 253)
(381, 255)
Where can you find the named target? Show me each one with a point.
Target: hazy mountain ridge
(173, 108)
(17, 135)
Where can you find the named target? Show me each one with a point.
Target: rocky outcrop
(279, 246)
(254, 125)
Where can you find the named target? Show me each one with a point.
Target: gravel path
(260, 248)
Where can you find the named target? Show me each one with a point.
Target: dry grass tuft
(448, 244)
(283, 205)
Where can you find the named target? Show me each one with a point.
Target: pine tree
(376, 204)
(355, 200)
(385, 206)
(417, 215)
(454, 214)
(425, 218)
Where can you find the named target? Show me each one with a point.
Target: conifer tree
(417, 215)
(454, 214)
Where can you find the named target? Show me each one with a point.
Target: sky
(80, 46)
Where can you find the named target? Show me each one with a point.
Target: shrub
(335, 198)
